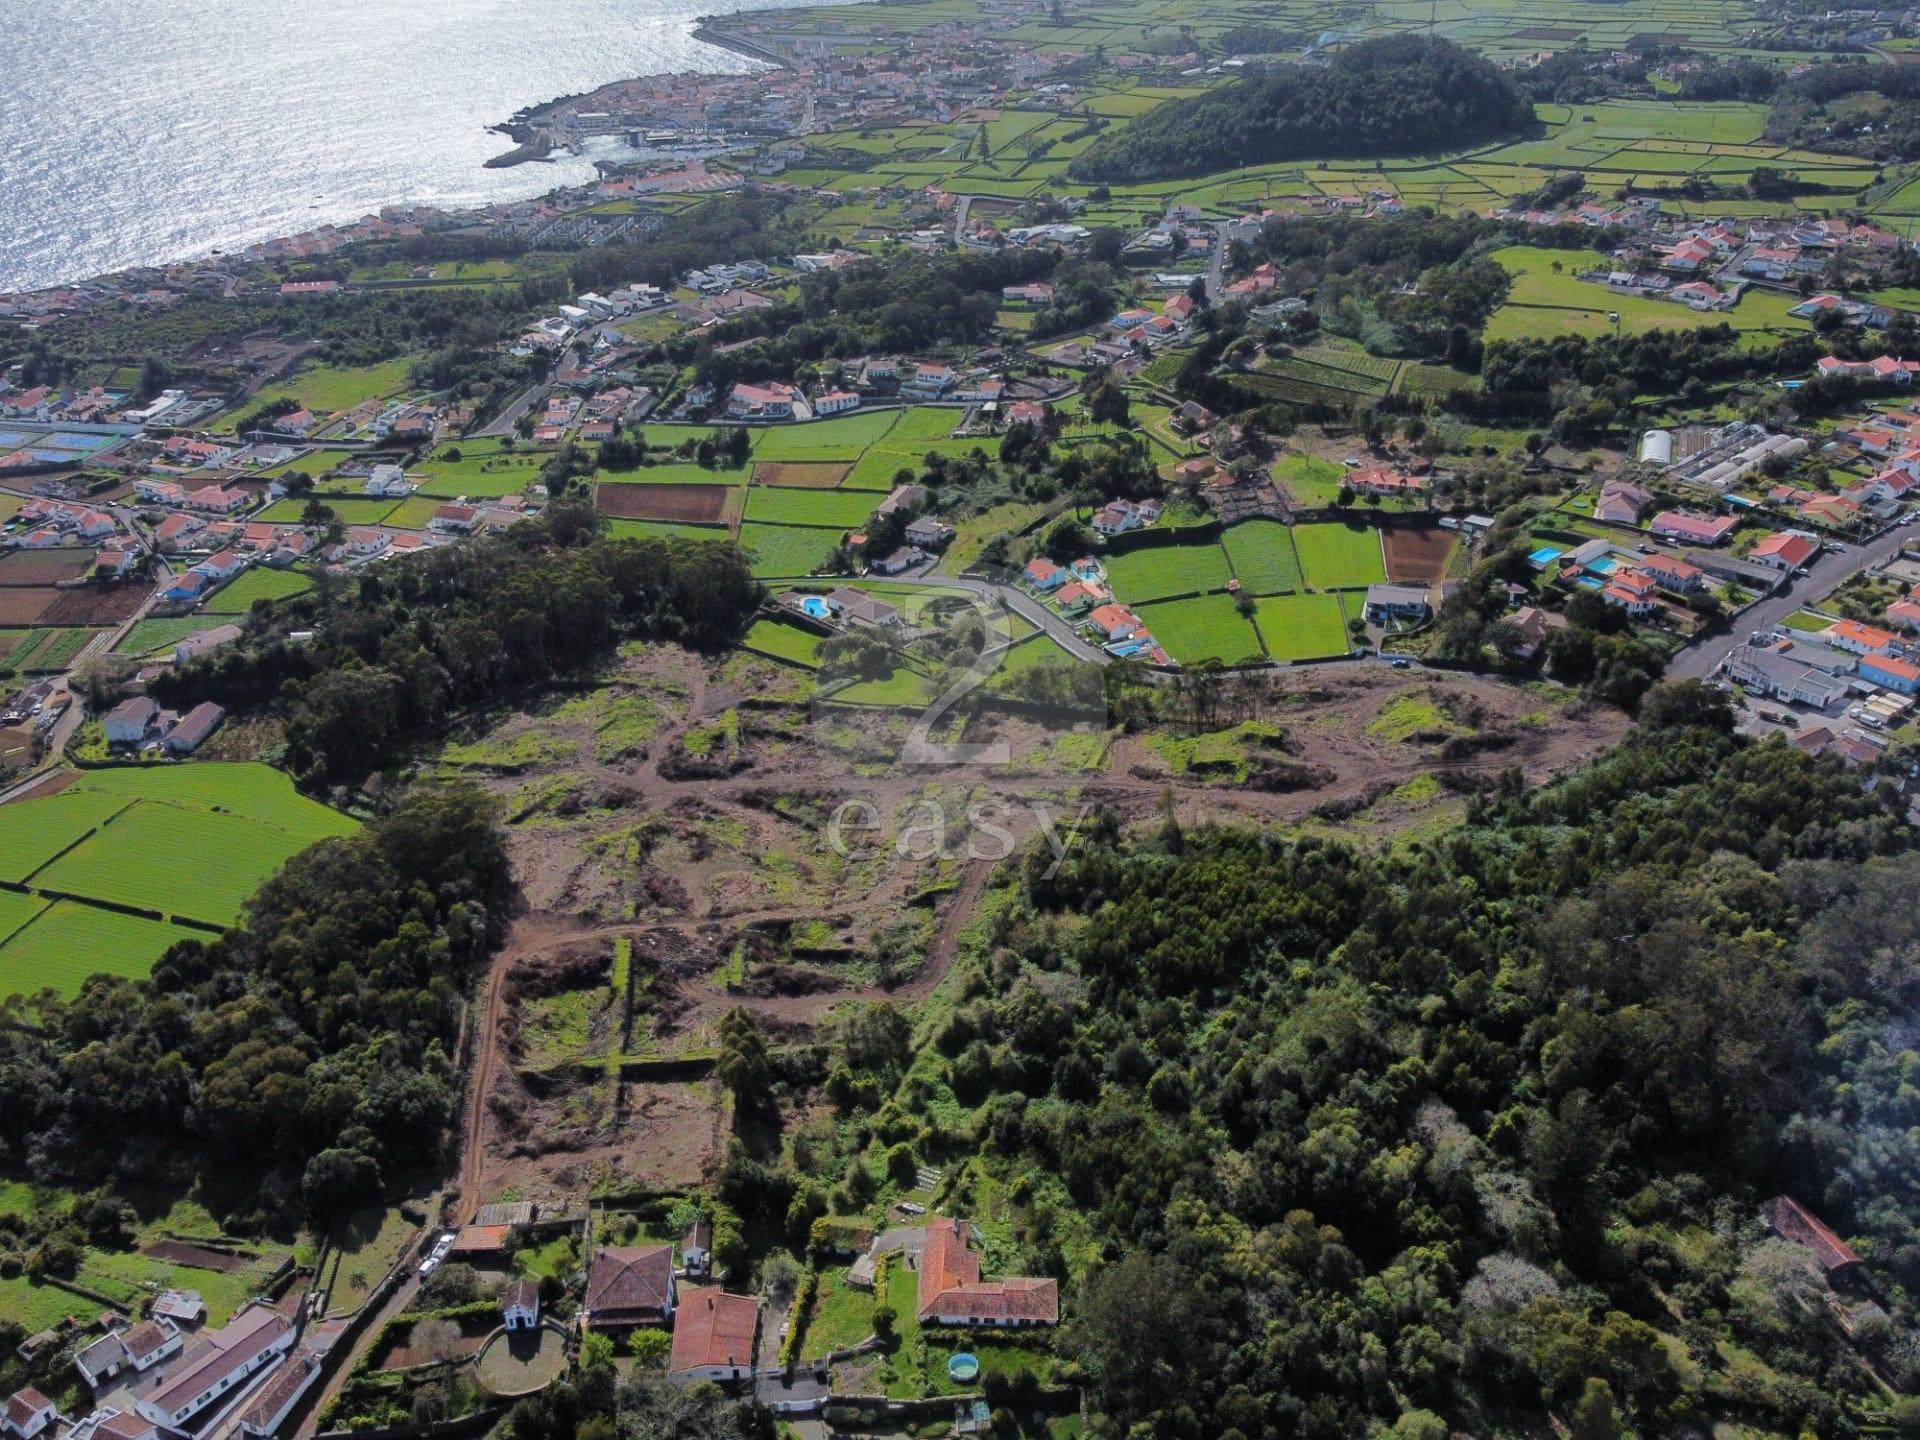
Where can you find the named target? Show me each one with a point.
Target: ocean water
(145, 131)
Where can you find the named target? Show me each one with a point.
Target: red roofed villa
(1791, 1220)
(952, 1292)
(713, 1335)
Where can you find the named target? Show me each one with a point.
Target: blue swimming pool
(816, 607)
(1588, 582)
(1605, 565)
(1545, 556)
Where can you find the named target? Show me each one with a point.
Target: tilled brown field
(801, 475)
(1418, 554)
(95, 605)
(43, 567)
(25, 604)
(693, 504)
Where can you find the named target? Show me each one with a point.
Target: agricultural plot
(483, 471)
(687, 504)
(1417, 553)
(119, 862)
(786, 549)
(1161, 571)
(1262, 555)
(260, 583)
(70, 941)
(191, 841)
(830, 509)
(1206, 627)
(348, 510)
(665, 530)
(1339, 557)
(1301, 627)
(841, 438)
(800, 474)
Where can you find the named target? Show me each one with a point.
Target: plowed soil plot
(800, 475)
(95, 605)
(1418, 554)
(698, 504)
(179, 1253)
(44, 567)
(24, 605)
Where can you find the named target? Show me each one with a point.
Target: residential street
(1699, 660)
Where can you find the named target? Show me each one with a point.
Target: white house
(136, 1349)
(836, 402)
(126, 724)
(255, 1338)
(520, 1306)
(28, 1413)
(388, 481)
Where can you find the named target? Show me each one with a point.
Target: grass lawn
(1801, 620)
(1301, 627)
(833, 509)
(1311, 481)
(903, 687)
(1207, 627)
(922, 422)
(349, 510)
(362, 1248)
(1159, 571)
(47, 826)
(413, 513)
(1263, 557)
(259, 583)
(786, 549)
(784, 642)
(1340, 557)
(842, 1317)
(478, 476)
(972, 533)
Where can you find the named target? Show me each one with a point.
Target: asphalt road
(1827, 574)
(504, 422)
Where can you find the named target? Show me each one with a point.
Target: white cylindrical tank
(1656, 447)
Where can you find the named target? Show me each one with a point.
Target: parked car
(1401, 662)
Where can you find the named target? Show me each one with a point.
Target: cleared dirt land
(1417, 553)
(697, 504)
(672, 830)
(45, 567)
(25, 604)
(96, 605)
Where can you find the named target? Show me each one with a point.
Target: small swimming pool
(1588, 582)
(1605, 565)
(963, 1367)
(816, 607)
(1545, 556)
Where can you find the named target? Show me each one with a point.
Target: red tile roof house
(713, 1336)
(28, 1413)
(1784, 552)
(1790, 1220)
(1673, 574)
(630, 1286)
(1115, 622)
(952, 1292)
(1905, 614)
(1692, 528)
(1860, 639)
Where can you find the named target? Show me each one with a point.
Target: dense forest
(395, 651)
(1424, 1140)
(1395, 96)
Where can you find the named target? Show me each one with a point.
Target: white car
(441, 1248)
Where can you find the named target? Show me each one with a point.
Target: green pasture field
(189, 840)
(1543, 303)
(1204, 627)
(316, 464)
(784, 642)
(236, 597)
(42, 651)
(16, 910)
(675, 473)
(1334, 556)
(841, 438)
(1160, 571)
(413, 513)
(219, 861)
(1301, 627)
(831, 509)
(922, 422)
(150, 637)
(786, 549)
(1263, 558)
(329, 389)
(70, 941)
(488, 475)
(664, 530)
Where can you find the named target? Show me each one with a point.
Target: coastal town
(1046, 726)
